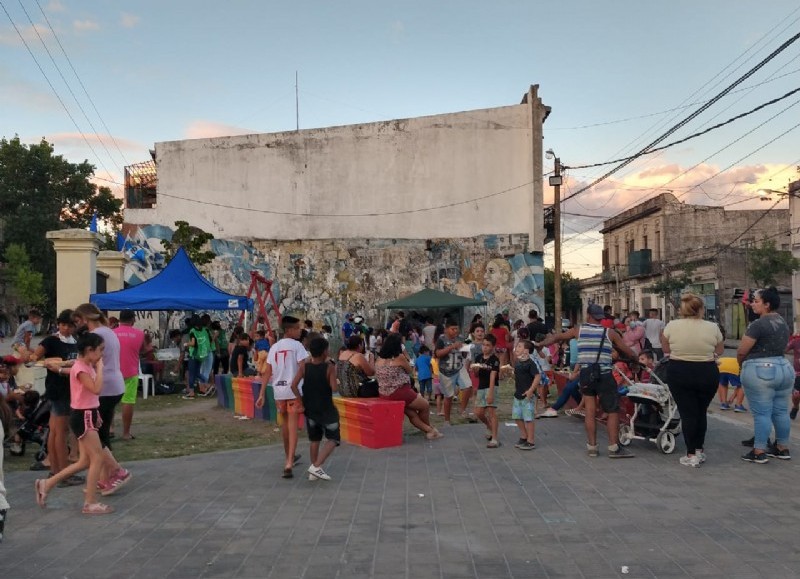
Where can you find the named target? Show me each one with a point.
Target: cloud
(55, 6)
(207, 129)
(129, 20)
(75, 140)
(23, 94)
(85, 25)
(31, 34)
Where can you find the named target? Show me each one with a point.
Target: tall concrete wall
(447, 176)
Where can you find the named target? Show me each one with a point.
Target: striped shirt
(589, 337)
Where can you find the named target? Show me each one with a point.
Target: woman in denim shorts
(767, 377)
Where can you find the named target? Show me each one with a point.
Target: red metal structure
(261, 288)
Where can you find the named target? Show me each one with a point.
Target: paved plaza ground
(448, 508)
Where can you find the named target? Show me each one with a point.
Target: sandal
(41, 493)
(433, 435)
(287, 473)
(188, 396)
(97, 509)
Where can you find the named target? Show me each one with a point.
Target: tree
(40, 192)
(26, 283)
(193, 240)
(767, 263)
(672, 283)
(570, 293)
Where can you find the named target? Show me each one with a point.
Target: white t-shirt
(285, 357)
(652, 331)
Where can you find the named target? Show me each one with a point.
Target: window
(644, 243)
(657, 248)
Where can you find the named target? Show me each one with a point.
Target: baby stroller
(34, 429)
(655, 416)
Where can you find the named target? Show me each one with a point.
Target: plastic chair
(147, 381)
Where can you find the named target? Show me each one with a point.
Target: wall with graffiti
(322, 279)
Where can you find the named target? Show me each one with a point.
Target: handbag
(595, 372)
(368, 388)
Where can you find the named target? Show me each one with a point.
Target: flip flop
(287, 473)
(41, 493)
(97, 509)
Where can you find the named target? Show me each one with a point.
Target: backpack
(203, 344)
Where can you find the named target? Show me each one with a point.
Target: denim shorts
(481, 401)
(522, 409)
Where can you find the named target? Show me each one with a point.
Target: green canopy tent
(430, 299)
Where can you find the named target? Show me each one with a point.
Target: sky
(617, 74)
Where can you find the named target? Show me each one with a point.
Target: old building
(663, 237)
(345, 218)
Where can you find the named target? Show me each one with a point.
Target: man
(653, 328)
(25, 331)
(428, 332)
(131, 341)
(453, 374)
(347, 328)
(535, 325)
(596, 381)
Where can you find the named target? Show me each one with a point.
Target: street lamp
(555, 182)
(764, 194)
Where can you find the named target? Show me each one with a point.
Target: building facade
(663, 238)
(345, 218)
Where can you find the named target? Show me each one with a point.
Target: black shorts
(60, 408)
(315, 430)
(107, 406)
(83, 421)
(605, 389)
(797, 383)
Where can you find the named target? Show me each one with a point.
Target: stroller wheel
(666, 442)
(17, 449)
(625, 434)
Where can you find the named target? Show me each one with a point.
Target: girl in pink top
(85, 384)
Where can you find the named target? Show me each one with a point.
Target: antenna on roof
(296, 102)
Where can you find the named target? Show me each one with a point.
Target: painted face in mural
(497, 274)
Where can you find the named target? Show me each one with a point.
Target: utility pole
(555, 181)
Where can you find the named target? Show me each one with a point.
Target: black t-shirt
(535, 328)
(239, 351)
(524, 373)
(56, 386)
(317, 394)
(484, 374)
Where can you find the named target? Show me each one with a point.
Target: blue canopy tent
(179, 286)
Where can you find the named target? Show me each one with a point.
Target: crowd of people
(429, 367)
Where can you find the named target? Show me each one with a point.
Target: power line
(694, 115)
(86, 92)
(55, 92)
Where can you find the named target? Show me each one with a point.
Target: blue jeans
(571, 389)
(768, 385)
(194, 372)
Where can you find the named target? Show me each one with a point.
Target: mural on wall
(323, 279)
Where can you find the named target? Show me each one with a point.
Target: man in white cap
(596, 382)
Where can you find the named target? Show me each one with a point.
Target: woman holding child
(393, 373)
(692, 344)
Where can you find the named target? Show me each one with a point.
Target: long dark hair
(392, 346)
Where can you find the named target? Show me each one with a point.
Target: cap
(596, 311)
(11, 360)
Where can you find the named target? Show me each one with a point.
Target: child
(261, 343)
(319, 383)
(424, 372)
(647, 361)
(85, 384)
(526, 383)
(541, 357)
(487, 367)
(284, 361)
(729, 376)
(241, 357)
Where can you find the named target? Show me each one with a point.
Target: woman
(767, 377)
(352, 367)
(692, 344)
(60, 345)
(634, 333)
(88, 318)
(503, 336)
(394, 383)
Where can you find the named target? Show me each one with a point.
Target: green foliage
(193, 240)
(40, 192)
(767, 263)
(570, 294)
(26, 283)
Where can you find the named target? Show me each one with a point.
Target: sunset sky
(617, 74)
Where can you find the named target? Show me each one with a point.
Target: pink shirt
(130, 344)
(80, 397)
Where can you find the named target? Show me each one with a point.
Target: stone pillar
(76, 265)
(112, 263)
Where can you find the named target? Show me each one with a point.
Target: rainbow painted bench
(371, 422)
(240, 395)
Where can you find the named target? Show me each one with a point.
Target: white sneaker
(693, 461)
(312, 477)
(549, 413)
(701, 455)
(318, 472)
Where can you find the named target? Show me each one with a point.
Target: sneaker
(724, 406)
(793, 413)
(760, 458)
(312, 477)
(520, 442)
(701, 455)
(526, 446)
(775, 452)
(549, 413)
(620, 452)
(115, 482)
(592, 450)
(318, 472)
(693, 461)
(739, 408)
(492, 444)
